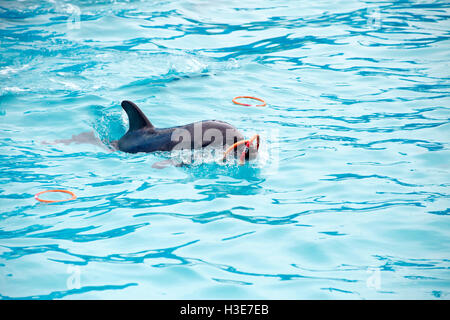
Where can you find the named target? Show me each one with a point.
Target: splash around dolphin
(143, 136)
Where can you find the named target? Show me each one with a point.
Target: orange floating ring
(249, 105)
(53, 201)
(247, 145)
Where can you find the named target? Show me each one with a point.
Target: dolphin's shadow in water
(225, 179)
(87, 137)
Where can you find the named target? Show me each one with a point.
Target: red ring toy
(53, 201)
(249, 105)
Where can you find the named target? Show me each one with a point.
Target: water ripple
(352, 179)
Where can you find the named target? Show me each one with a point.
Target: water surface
(349, 200)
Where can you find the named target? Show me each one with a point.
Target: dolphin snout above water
(142, 136)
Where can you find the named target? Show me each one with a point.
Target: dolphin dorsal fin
(136, 118)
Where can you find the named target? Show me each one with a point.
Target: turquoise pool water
(348, 200)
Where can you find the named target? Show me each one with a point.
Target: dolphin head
(244, 150)
(249, 152)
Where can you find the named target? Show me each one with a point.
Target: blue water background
(351, 201)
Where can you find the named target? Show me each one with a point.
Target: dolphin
(143, 136)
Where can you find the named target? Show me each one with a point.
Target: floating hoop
(53, 201)
(247, 146)
(249, 105)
